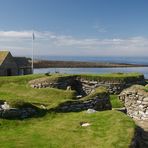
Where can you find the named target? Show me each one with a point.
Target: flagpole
(32, 66)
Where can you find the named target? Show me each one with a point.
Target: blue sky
(75, 27)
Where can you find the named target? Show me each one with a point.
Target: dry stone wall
(135, 100)
(95, 103)
(82, 86)
(112, 87)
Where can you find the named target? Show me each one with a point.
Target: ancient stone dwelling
(11, 66)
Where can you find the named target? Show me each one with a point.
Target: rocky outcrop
(135, 100)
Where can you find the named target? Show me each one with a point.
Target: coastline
(80, 64)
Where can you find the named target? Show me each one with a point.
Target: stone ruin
(8, 112)
(83, 86)
(97, 103)
(135, 100)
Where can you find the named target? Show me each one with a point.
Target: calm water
(131, 60)
(143, 70)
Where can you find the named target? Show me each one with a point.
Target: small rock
(84, 124)
(5, 106)
(90, 111)
(145, 99)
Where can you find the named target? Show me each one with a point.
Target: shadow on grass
(140, 139)
(19, 110)
(79, 105)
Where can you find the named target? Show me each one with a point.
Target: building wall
(8, 66)
(24, 71)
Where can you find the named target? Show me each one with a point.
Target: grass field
(116, 103)
(108, 129)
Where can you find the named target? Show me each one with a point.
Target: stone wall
(113, 86)
(95, 103)
(60, 82)
(8, 112)
(135, 100)
(82, 86)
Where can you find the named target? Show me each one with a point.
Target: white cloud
(15, 34)
(47, 43)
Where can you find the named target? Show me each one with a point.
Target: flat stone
(145, 99)
(141, 112)
(139, 102)
(145, 103)
(90, 111)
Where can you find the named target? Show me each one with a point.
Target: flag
(33, 36)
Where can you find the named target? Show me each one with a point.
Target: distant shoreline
(80, 64)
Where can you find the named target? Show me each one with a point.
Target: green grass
(19, 79)
(117, 77)
(107, 130)
(60, 130)
(113, 76)
(101, 92)
(116, 103)
(48, 96)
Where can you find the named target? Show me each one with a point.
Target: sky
(74, 27)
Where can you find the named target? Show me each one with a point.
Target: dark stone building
(11, 66)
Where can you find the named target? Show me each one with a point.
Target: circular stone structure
(135, 100)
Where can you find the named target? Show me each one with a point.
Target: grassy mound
(126, 77)
(20, 104)
(101, 92)
(18, 89)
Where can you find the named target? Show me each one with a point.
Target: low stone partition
(99, 101)
(135, 100)
(60, 82)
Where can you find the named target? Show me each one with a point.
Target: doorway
(9, 72)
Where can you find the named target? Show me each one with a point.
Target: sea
(128, 60)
